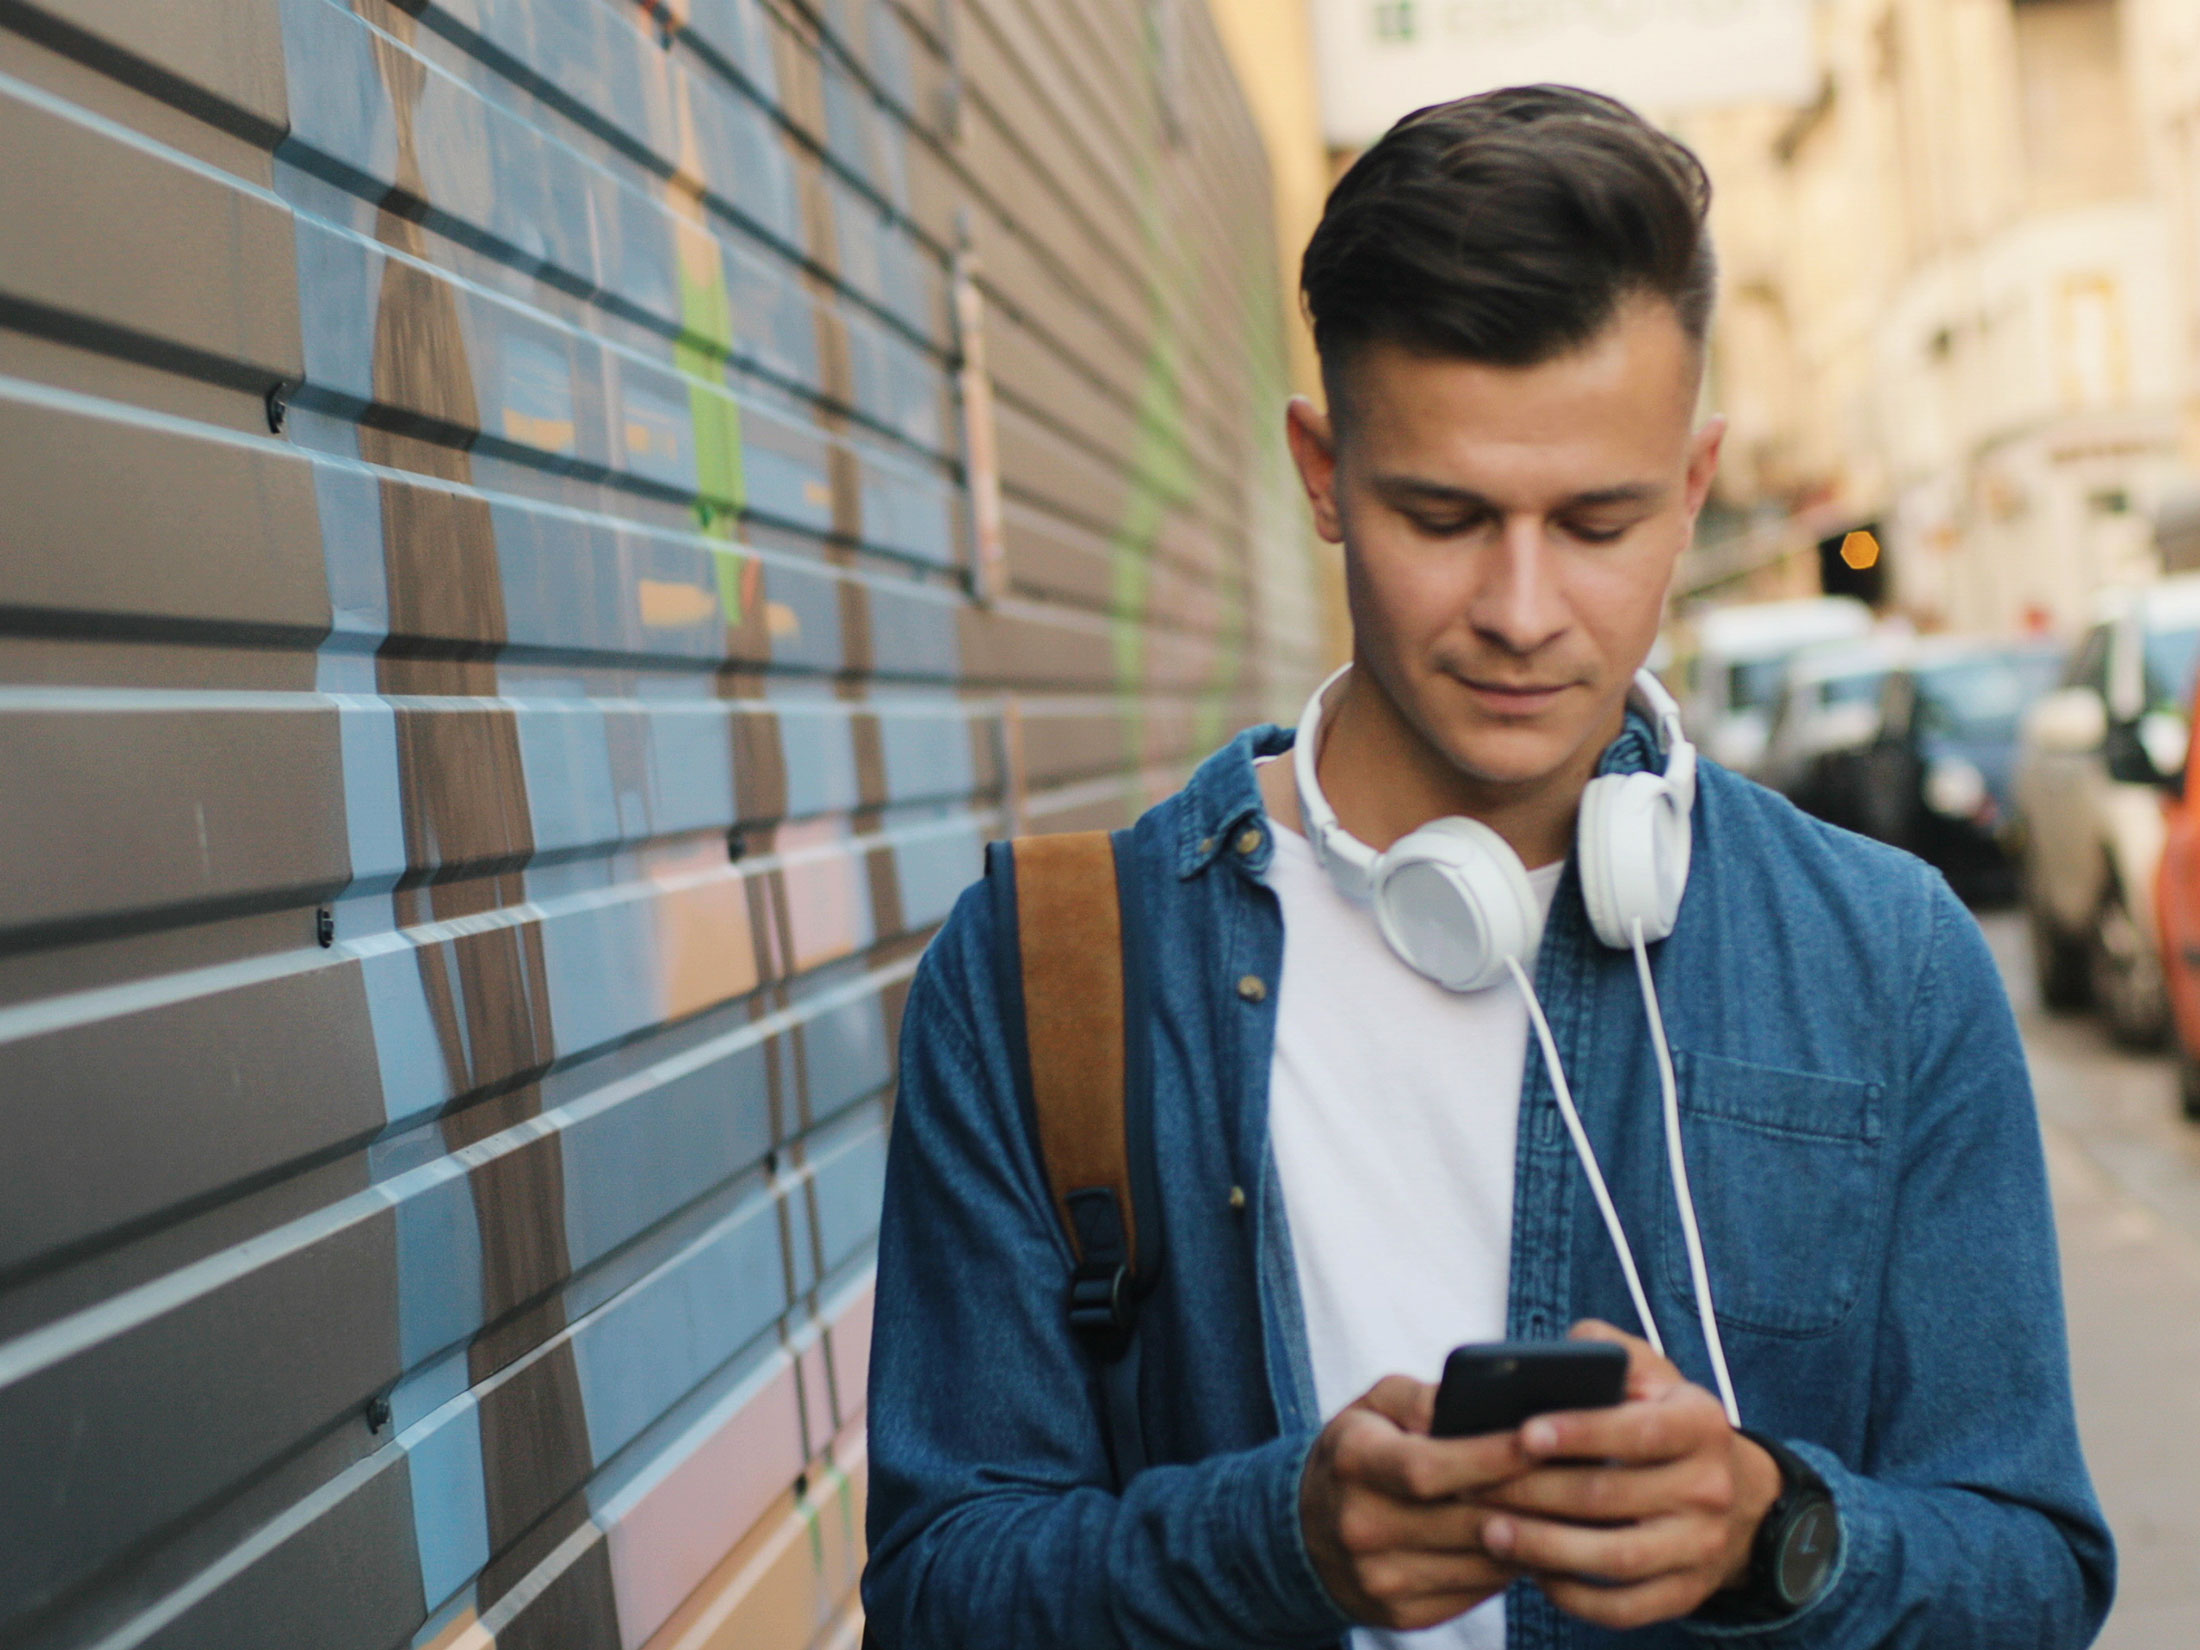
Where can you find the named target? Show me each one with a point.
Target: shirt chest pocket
(1784, 1167)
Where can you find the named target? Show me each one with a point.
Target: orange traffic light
(1860, 550)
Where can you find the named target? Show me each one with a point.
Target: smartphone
(1498, 1385)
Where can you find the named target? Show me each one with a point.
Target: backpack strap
(1070, 960)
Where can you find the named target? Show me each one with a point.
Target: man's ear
(1314, 451)
(1703, 460)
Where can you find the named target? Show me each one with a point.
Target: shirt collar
(1223, 805)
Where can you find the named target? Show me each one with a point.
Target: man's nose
(1517, 604)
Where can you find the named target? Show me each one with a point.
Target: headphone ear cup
(1454, 901)
(1633, 843)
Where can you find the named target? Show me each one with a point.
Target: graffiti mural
(497, 685)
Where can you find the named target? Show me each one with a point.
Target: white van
(1738, 664)
(2093, 759)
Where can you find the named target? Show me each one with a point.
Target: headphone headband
(1648, 695)
(1348, 860)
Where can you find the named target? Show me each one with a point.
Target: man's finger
(1396, 1576)
(1649, 1371)
(1407, 1404)
(1377, 1523)
(1629, 1554)
(1408, 1585)
(1621, 1608)
(1374, 1452)
(1642, 1431)
(1595, 1492)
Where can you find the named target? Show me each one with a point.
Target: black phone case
(1498, 1385)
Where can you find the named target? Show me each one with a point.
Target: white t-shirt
(1393, 1106)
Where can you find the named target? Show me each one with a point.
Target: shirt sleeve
(1971, 1521)
(992, 1517)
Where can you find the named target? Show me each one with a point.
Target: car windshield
(1850, 690)
(2169, 662)
(1980, 699)
(1754, 683)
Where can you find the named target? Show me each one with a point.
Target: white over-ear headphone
(1452, 898)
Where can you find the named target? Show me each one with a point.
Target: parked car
(2093, 759)
(2177, 907)
(1935, 775)
(1738, 660)
(1828, 711)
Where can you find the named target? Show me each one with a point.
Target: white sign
(1381, 59)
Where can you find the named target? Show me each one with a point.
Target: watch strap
(1760, 1597)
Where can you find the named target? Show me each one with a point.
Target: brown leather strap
(1069, 932)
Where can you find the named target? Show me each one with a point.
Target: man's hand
(1381, 1504)
(1638, 1513)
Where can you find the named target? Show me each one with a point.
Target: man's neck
(1383, 779)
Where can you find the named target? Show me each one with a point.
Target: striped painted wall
(537, 539)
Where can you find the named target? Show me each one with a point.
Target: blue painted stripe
(643, 1350)
(847, 1157)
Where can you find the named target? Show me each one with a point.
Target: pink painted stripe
(670, 1536)
(825, 891)
(734, 1597)
(668, 1540)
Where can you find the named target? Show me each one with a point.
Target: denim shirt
(1867, 1173)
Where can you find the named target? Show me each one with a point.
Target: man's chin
(1513, 758)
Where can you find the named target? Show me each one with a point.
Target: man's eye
(1594, 535)
(1443, 527)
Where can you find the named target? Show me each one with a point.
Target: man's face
(1509, 533)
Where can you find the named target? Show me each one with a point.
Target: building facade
(1958, 302)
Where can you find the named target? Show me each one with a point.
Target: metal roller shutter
(510, 640)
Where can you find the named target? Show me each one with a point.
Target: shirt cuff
(1305, 1611)
(1864, 1542)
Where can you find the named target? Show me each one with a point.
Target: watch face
(1807, 1550)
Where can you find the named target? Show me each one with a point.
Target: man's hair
(1508, 228)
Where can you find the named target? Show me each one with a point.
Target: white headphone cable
(1588, 1157)
(1698, 1273)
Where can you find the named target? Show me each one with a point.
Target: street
(2126, 1175)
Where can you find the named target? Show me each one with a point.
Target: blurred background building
(1959, 307)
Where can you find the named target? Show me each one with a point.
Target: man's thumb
(1407, 1404)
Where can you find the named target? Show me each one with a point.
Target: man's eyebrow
(1632, 492)
(1414, 490)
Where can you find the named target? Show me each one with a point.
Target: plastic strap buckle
(1102, 1309)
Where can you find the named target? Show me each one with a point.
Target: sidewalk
(2133, 1288)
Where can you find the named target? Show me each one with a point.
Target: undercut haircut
(1508, 228)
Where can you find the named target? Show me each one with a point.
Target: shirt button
(1237, 1198)
(1248, 842)
(1206, 844)
(1253, 988)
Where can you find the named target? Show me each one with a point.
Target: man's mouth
(1514, 696)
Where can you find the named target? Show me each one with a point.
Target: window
(1980, 699)
(2079, 136)
(1860, 689)
(1752, 684)
(2089, 665)
(2169, 656)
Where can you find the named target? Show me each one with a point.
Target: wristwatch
(1797, 1546)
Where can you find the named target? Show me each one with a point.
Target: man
(1359, 1168)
